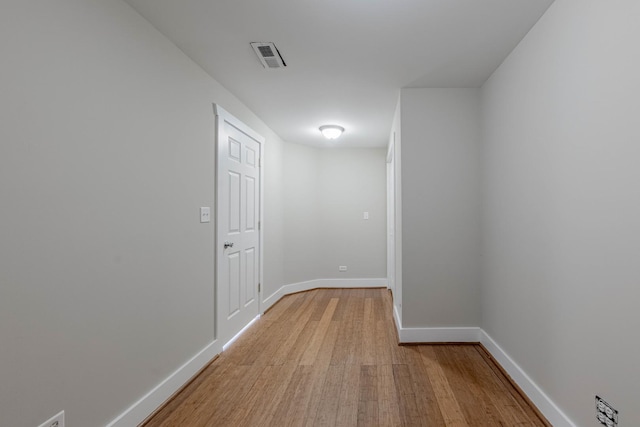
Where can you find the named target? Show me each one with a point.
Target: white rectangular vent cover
(268, 54)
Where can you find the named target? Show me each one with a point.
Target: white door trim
(223, 116)
(237, 123)
(391, 216)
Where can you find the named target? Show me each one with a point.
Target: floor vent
(268, 54)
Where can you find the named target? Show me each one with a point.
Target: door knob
(228, 245)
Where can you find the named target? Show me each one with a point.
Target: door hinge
(258, 287)
(259, 225)
(259, 162)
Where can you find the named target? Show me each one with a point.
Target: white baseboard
(550, 410)
(322, 283)
(144, 407)
(272, 299)
(435, 335)
(396, 316)
(438, 335)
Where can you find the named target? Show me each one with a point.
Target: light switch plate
(366, 215)
(205, 214)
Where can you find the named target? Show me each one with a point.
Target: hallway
(328, 357)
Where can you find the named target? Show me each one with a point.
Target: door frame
(222, 116)
(391, 216)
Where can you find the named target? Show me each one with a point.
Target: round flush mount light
(331, 131)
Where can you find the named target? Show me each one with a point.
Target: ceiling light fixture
(331, 131)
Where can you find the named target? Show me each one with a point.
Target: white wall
(351, 182)
(273, 226)
(301, 216)
(440, 207)
(562, 206)
(326, 192)
(106, 275)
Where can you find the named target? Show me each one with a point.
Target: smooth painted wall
(440, 207)
(274, 220)
(106, 155)
(326, 192)
(351, 182)
(561, 216)
(301, 213)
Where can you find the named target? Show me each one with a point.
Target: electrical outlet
(55, 421)
(342, 268)
(605, 413)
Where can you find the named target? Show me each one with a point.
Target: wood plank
(347, 415)
(368, 396)
(309, 356)
(290, 411)
(368, 334)
(297, 326)
(269, 398)
(388, 409)
(341, 309)
(322, 299)
(471, 394)
(321, 367)
(426, 402)
(382, 344)
(328, 406)
(270, 383)
(379, 303)
(449, 407)
(407, 405)
(347, 348)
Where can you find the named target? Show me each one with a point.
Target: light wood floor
(329, 357)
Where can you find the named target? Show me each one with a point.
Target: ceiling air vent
(268, 55)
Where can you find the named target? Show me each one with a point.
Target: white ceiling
(346, 59)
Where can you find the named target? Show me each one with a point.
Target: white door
(238, 240)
